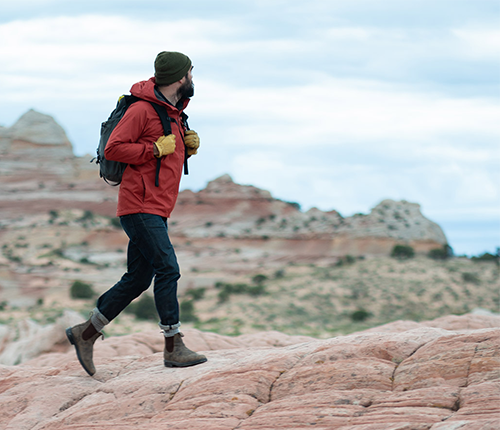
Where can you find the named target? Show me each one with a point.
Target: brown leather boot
(84, 347)
(177, 355)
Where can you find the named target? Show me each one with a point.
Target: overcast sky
(337, 104)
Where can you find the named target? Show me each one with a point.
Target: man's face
(186, 90)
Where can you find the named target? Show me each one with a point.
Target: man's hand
(191, 139)
(164, 145)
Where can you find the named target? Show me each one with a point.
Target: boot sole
(71, 338)
(188, 364)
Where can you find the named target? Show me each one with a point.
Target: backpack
(112, 171)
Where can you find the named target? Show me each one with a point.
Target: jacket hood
(146, 90)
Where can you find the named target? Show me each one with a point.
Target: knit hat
(171, 67)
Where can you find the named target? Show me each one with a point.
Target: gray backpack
(112, 171)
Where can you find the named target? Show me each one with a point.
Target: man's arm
(123, 144)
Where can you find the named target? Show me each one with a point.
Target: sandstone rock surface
(423, 376)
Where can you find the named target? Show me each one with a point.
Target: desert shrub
(485, 257)
(346, 259)
(81, 290)
(260, 221)
(280, 273)
(470, 278)
(438, 254)
(87, 216)
(226, 290)
(196, 293)
(144, 308)
(259, 279)
(58, 252)
(256, 290)
(294, 205)
(402, 251)
(442, 253)
(115, 222)
(187, 312)
(85, 260)
(360, 315)
(53, 216)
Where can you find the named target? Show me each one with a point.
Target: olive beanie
(171, 67)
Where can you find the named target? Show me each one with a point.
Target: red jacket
(132, 142)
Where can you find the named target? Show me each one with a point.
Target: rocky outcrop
(397, 377)
(228, 210)
(39, 172)
(35, 132)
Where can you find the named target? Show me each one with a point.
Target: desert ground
(231, 288)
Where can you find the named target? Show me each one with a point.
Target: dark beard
(186, 91)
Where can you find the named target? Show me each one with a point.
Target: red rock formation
(392, 378)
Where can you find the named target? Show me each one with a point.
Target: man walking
(145, 201)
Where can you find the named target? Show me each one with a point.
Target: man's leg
(133, 283)
(155, 245)
(149, 235)
(111, 303)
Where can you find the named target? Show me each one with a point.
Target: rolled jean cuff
(98, 320)
(170, 330)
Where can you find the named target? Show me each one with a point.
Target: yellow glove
(192, 151)
(192, 140)
(165, 145)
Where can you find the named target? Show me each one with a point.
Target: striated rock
(422, 378)
(228, 210)
(39, 172)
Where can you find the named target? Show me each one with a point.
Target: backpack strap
(167, 129)
(184, 119)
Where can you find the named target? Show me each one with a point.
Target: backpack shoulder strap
(165, 119)
(167, 129)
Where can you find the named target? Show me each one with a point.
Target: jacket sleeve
(127, 141)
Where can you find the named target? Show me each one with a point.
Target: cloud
(331, 104)
(479, 43)
(335, 111)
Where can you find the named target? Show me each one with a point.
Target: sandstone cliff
(227, 209)
(439, 375)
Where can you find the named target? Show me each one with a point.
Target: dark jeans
(150, 254)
